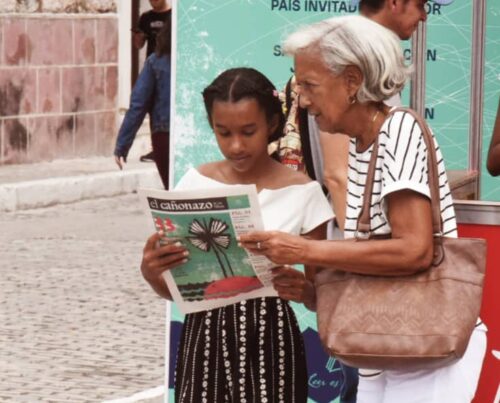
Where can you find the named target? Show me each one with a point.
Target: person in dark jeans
(150, 24)
(151, 94)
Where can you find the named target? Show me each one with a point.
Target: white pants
(455, 383)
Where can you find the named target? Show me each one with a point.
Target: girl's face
(242, 132)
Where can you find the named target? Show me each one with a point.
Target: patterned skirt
(248, 352)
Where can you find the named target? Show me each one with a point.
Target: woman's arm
(293, 285)
(409, 250)
(157, 259)
(493, 163)
(335, 149)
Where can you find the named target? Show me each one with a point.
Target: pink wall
(58, 86)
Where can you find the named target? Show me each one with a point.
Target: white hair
(359, 41)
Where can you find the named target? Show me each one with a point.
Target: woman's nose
(304, 101)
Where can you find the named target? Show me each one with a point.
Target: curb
(49, 192)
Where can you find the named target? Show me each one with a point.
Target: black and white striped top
(401, 164)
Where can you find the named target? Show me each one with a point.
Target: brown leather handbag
(404, 322)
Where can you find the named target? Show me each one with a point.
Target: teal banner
(214, 35)
(490, 187)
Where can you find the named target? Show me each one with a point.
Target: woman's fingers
(277, 246)
(255, 241)
(254, 237)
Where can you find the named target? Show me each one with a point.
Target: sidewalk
(44, 184)
(28, 186)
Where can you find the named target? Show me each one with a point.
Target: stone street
(78, 323)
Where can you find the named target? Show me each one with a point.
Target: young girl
(253, 350)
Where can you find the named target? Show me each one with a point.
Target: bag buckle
(362, 235)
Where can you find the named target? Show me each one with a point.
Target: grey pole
(477, 89)
(417, 88)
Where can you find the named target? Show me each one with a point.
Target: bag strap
(363, 225)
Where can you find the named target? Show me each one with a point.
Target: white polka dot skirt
(248, 352)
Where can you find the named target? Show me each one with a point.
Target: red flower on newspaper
(164, 224)
(212, 237)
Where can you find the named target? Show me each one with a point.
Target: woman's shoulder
(401, 118)
(400, 127)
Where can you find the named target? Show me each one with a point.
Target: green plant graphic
(212, 237)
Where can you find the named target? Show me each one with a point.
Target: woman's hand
(292, 285)
(157, 259)
(279, 247)
(120, 161)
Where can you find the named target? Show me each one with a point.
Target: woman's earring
(352, 100)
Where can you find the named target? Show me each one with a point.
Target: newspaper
(207, 221)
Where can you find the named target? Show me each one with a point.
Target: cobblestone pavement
(77, 321)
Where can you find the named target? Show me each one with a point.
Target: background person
(346, 68)
(150, 24)
(151, 93)
(493, 162)
(253, 350)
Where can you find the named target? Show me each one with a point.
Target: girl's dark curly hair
(239, 83)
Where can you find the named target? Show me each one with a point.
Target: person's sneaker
(147, 157)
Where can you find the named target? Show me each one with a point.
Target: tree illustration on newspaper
(212, 237)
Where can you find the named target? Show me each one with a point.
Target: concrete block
(85, 41)
(18, 90)
(56, 48)
(107, 44)
(15, 140)
(73, 82)
(8, 198)
(1, 41)
(85, 135)
(48, 192)
(49, 90)
(50, 137)
(130, 183)
(60, 6)
(106, 132)
(149, 179)
(8, 6)
(28, 6)
(15, 48)
(100, 6)
(102, 185)
(111, 87)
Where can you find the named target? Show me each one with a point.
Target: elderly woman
(346, 67)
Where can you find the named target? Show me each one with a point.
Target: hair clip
(275, 93)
